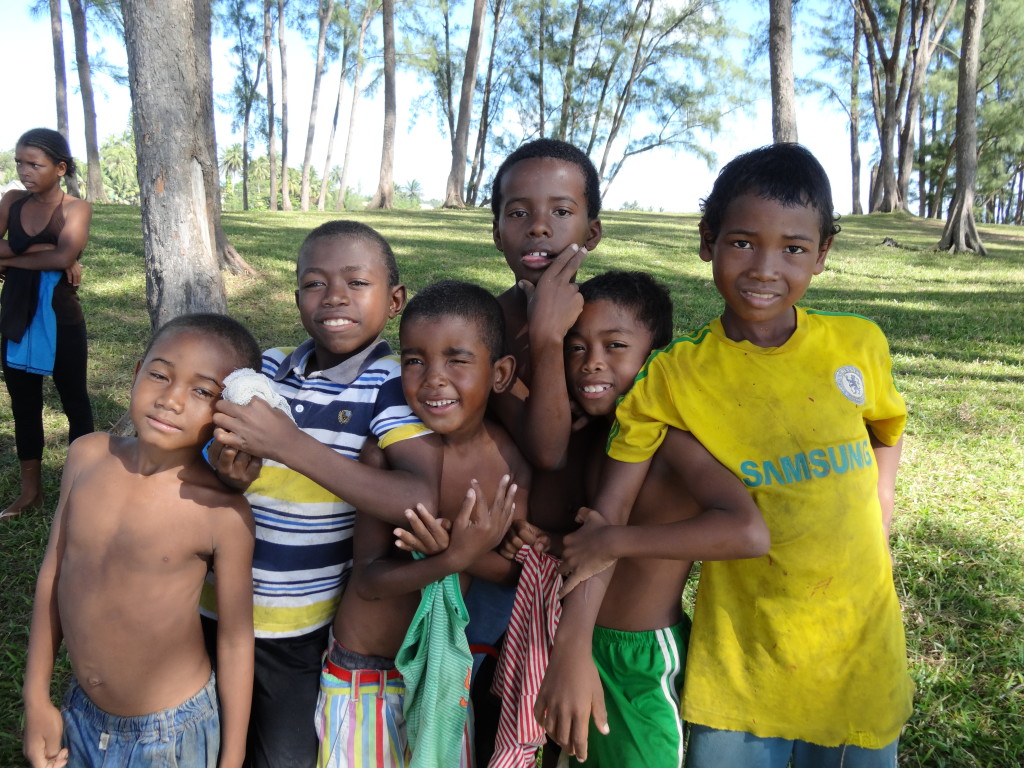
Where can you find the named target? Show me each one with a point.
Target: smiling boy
(801, 654)
(139, 523)
(688, 508)
(343, 387)
(451, 346)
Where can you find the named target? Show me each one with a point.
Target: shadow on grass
(963, 598)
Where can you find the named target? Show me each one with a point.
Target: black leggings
(26, 391)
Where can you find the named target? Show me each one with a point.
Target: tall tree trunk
(960, 233)
(858, 209)
(368, 13)
(225, 253)
(322, 198)
(570, 73)
(540, 68)
(286, 200)
(477, 169)
(94, 174)
(622, 101)
(780, 58)
(922, 177)
(171, 142)
(885, 88)
(385, 194)
(268, 50)
(460, 147)
(60, 79)
(926, 43)
(325, 9)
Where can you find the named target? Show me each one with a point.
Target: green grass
(957, 335)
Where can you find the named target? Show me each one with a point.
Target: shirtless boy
(451, 345)
(546, 202)
(139, 523)
(690, 503)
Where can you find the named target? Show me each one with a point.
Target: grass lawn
(956, 327)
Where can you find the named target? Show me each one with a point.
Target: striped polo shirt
(303, 551)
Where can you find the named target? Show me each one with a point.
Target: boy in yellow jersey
(799, 654)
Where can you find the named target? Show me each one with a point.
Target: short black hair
(347, 228)
(786, 172)
(223, 327)
(641, 294)
(557, 150)
(453, 298)
(53, 144)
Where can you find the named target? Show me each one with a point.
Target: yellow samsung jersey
(806, 642)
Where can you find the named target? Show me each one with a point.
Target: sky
(661, 179)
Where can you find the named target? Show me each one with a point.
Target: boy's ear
(707, 240)
(593, 235)
(496, 234)
(504, 373)
(819, 264)
(135, 373)
(397, 301)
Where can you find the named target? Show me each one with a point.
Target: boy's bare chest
(486, 465)
(141, 528)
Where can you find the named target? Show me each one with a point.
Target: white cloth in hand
(243, 384)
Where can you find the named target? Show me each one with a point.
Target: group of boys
(559, 419)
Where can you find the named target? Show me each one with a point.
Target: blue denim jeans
(187, 735)
(713, 748)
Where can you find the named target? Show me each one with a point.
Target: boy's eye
(312, 284)
(740, 244)
(516, 214)
(573, 348)
(795, 249)
(205, 393)
(617, 345)
(562, 212)
(157, 375)
(411, 361)
(359, 283)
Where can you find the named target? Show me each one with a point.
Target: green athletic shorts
(642, 676)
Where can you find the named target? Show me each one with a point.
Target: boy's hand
(256, 428)
(427, 534)
(553, 305)
(585, 552)
(236, 469)
(41, 743)
(570, 693)
(478, 528)
(521, 534)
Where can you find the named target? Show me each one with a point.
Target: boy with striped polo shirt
(343, 386)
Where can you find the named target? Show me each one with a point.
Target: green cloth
(435, 661)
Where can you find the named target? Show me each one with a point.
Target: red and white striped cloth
(524, 659)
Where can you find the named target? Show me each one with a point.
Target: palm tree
(333, 179)
(259, 173)
(412, 191)
(231, 163)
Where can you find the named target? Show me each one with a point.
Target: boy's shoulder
(92, 448)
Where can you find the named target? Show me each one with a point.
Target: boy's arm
(553, 306)
(43, 724)
(729, 526)
(571, 690)
(414, 477)
(233, 565)
(888, 460)
(477, 529)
